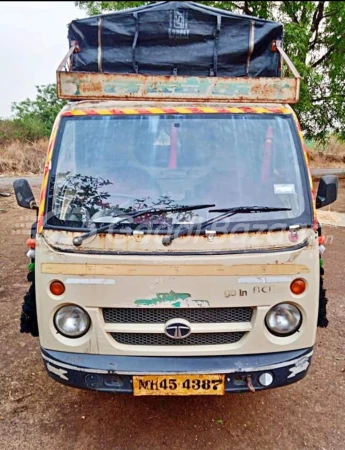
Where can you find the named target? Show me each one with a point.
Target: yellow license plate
(179, 385)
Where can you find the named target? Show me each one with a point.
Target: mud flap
(28, 318)
(322, 321)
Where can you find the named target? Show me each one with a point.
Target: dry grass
(331, 155)
(19, 158)
(329, 218)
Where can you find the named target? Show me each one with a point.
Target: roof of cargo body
(176, 38)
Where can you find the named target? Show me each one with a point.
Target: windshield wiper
(250, 209)
(227, 212)
(77, 241)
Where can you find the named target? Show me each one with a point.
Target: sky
(33, 42)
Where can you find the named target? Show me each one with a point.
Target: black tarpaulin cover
(176, 38)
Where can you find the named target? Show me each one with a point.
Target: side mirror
(328, 191)
(25, 197)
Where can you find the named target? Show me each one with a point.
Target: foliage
(83, 194)
(29, 129)
(87, 195)
(8, 131)
(34, 119)
(314, 36)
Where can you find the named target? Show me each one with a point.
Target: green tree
(35, 118)
(314, 40)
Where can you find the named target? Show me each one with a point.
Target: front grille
(162, 339)
(162, 315)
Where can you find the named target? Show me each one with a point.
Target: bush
(34, 119)
(8, 131)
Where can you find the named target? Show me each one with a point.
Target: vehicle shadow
(101, 420)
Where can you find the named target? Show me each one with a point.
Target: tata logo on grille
(177, 329)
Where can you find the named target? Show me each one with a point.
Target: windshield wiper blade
(77, 241)
(250, 209)
(227, 212)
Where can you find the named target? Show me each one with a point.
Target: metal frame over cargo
(179, 51)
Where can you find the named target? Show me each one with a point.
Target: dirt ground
(38, 413)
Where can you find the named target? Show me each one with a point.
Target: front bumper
(114, 373)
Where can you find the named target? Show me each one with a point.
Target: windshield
(108, 165)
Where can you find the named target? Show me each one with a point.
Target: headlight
(72, 321)
(283, 319)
